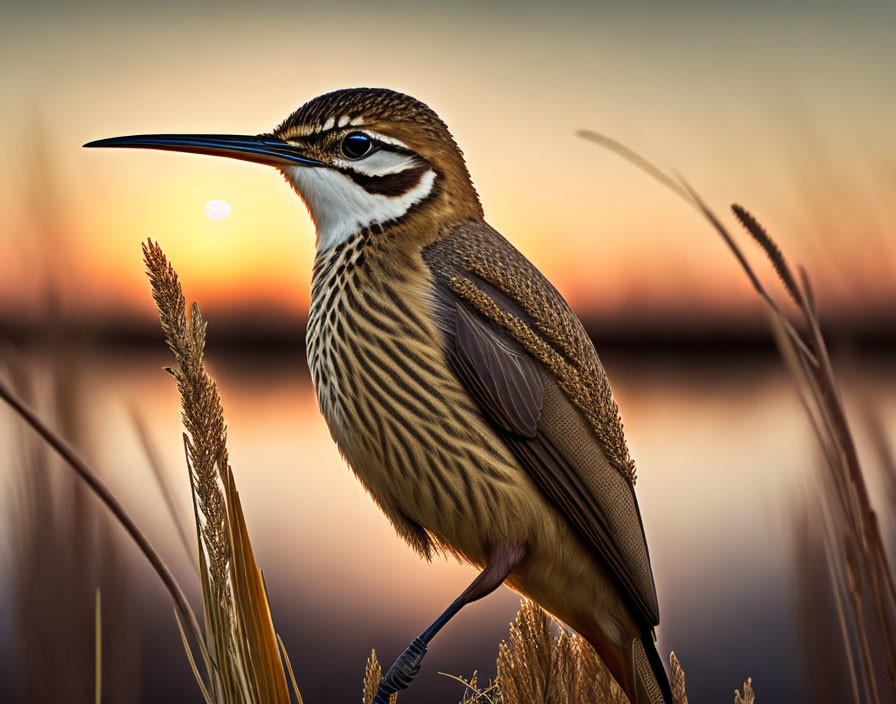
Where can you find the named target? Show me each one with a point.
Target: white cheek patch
(381, 163)
(341, 208)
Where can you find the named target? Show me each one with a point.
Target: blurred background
(787, 108)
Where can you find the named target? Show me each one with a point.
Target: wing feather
(506, 383)
(549, 437)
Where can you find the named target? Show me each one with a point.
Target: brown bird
(457, 382)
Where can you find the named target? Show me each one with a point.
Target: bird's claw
(402, 672)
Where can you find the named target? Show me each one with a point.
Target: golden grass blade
(634, 158)
(252, 601)
(189, 652)
(292, 675)
(863, 560)
(839, 590)
(748, 270)
(563, 681)
(535, 667)
(216, 681)
(248, 663)
(524, 659)
(473, 694)
(748, 696)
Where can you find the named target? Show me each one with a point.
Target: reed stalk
(857, 555)
(239, 630)
(102, 492)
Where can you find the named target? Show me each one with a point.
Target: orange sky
(790, 114)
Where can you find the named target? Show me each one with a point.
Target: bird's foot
(402, 672)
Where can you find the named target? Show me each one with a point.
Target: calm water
(722, 450)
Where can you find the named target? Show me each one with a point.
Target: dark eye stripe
(378, 145)
(391, 185)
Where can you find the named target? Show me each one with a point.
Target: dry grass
(247, 665)
(860, 571)
(534, 666)
(860, 568)
(747, 697)
(62, 547)
(541, 663)
(818, 613)
(63, 551)
(373, 673)
(243, 663)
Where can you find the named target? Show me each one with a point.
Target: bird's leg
(504, 559)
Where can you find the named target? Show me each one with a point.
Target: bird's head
(357, 157)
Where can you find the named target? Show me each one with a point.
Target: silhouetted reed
(63, 547)
(861, 574)
(63, 552)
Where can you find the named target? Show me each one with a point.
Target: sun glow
(217, 209)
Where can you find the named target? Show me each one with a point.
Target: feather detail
(542, 323)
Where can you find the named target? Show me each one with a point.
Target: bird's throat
(341, 207)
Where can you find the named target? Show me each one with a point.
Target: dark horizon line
(670, 332)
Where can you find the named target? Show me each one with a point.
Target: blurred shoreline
(667, 333)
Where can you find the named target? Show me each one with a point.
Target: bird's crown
(384, 157)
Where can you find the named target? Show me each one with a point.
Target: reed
(63, 550)
(61, 546)
(247, 664)
(747, 697)
(860, 572)
(244, 660)
(540, 662)
(536, 666)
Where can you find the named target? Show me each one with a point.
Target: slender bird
(456, 381)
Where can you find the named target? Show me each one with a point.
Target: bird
(456, 381)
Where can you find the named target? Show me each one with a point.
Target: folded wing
(548, 433)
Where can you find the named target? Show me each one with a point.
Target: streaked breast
(400, 417)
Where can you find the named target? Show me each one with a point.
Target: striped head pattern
(382, 159)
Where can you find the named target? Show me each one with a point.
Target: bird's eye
(356, 145)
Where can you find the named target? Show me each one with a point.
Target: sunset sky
(787, 109)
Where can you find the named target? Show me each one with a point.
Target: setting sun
(217, 209)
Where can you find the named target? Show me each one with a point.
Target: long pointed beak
(261, 149)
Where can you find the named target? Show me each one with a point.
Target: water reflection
(721, 451)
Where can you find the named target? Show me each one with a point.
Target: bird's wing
(507, 349)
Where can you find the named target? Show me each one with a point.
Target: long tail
(649, 676)
(637, 668)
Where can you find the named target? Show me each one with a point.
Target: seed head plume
(203, 417)
(247, 666)
(770, 248)
(679, 696)
(372, 674)
(536, 667)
